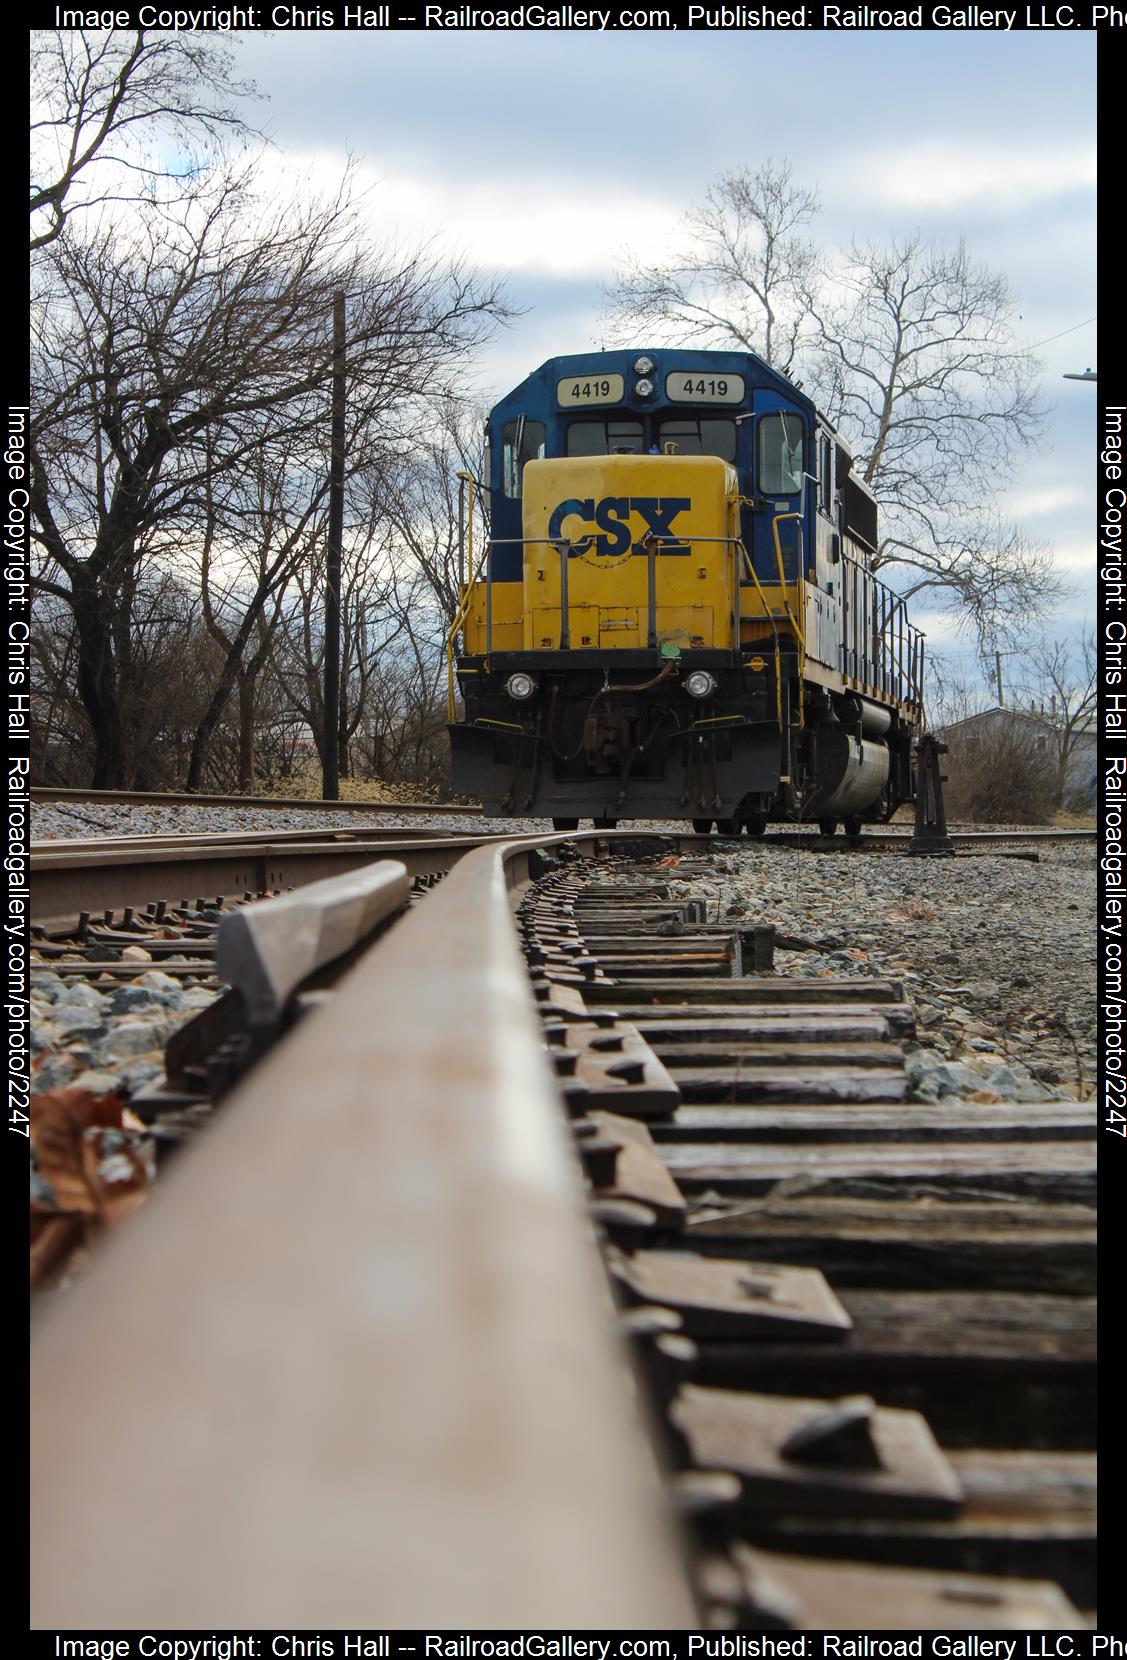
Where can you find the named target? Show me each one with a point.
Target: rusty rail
(242, 838)
(358, 1364)
(165, 798)
(106, 875)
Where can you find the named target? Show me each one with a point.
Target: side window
(530, 435)
(825, 475)
(780, 454)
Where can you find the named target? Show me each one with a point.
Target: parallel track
(99, 873)
(167, 798)
(108, 874)
(871, 837)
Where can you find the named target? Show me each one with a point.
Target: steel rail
(882, 839)
(191, 839)
(159, 798)
(357, 1364)
(66, 881)
(111, 873)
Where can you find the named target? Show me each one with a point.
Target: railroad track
(100, 874)
(873, 838)
(386, 1382)
(166, 798)
(108, 875)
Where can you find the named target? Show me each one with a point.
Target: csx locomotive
(675, 615)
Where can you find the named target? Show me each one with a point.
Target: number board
(685, 386)
(583, 390)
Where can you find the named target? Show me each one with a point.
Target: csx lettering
(611, 515)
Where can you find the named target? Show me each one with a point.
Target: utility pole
(998, 662)
(330, 760)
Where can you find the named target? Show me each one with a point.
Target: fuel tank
(851, 773)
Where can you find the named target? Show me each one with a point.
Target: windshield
(704, 436)
(604, 438)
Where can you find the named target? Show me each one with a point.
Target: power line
(1062, 334)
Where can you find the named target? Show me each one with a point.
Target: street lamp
(1089, 374)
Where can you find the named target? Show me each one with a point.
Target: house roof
(1035, 716)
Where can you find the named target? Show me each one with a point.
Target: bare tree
(279, 519)
(918, 364)
(374, 616)
(418, 495)
(741, 277)
(1059, 685)
(171, 346)
(911, 351)
(102, 104)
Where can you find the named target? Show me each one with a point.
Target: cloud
(1041, 504)
(941, 175)
(1076, 556)
(558, 227)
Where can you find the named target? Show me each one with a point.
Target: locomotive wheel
(729, 826)
(756, 824)
(605, 823)
(827, 826)
(852, 824)
(565, 824)
(702, 826)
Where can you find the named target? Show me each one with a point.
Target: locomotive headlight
(700, 683)
(644, 365)
(520, 686)
(644, 388)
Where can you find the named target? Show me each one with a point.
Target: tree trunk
(231, 667)
(246, 733)
(97, 685)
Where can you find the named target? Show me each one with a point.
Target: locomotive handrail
(770, 615)
(891, 631)
(648, 544)
(799, 625)
(459, 619)
(862, 592)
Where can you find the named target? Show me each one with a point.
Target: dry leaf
(97, 1168)
(59, 1119)
(118, 1171)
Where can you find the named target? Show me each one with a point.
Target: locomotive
(675, 614)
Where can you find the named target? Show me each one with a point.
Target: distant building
(1044, 735)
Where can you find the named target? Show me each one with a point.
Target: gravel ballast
(996, 953)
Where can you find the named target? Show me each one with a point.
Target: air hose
(604, 691)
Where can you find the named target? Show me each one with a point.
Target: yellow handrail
(464, 605)
(774, 630)
(799, 630)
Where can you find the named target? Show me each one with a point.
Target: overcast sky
(539, 155)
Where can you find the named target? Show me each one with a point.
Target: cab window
(604, 438)
(706, 436)
(825, 475)
(780, 454)
(530, 439)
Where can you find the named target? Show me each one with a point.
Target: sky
(538, 157)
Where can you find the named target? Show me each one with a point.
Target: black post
(931, 839)
(330, 761)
